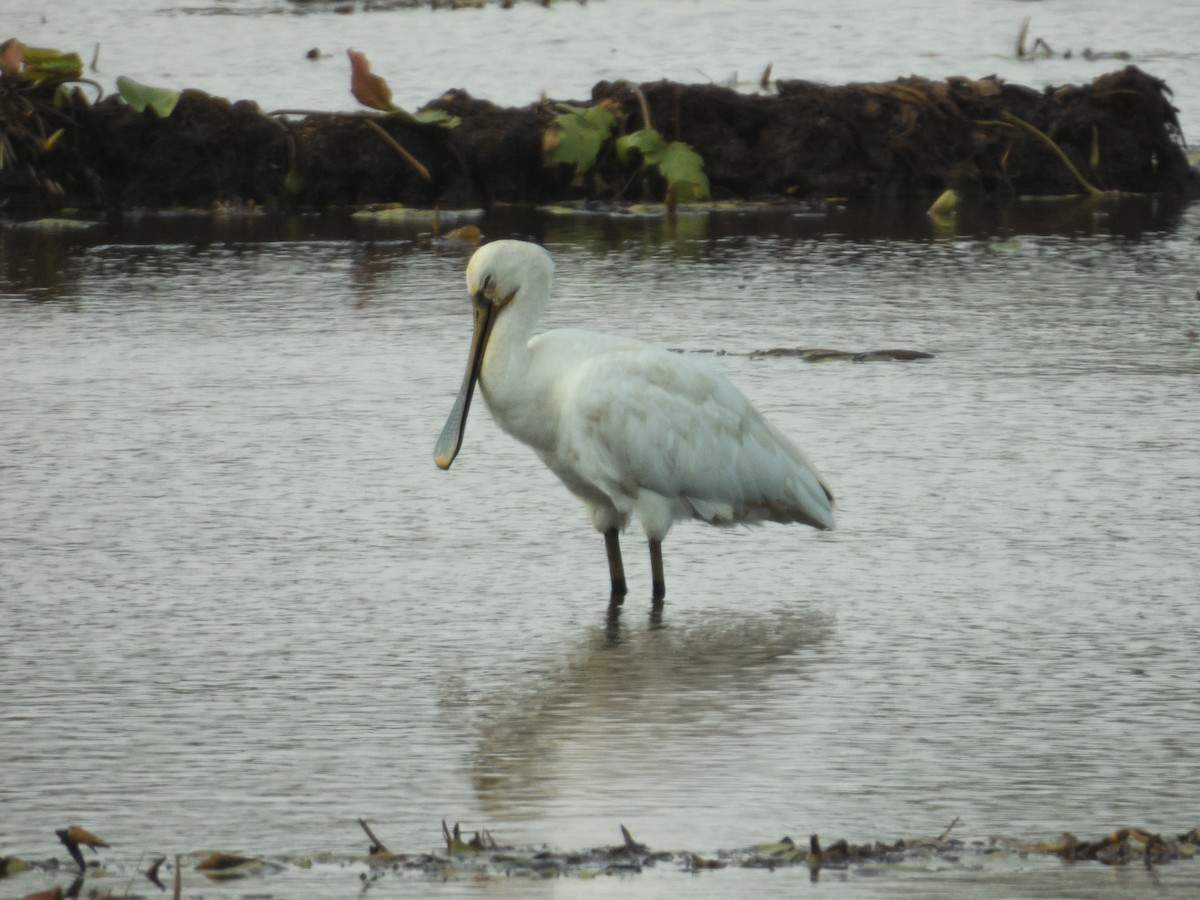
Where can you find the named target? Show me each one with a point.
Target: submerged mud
(907, 138)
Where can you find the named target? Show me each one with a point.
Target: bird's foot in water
(619, 590)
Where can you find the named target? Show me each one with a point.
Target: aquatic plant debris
(482, 856)
(820, 354)
(909, 138)
(73, 837)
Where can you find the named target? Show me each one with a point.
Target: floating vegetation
(1041, 50)
(481, 856)
(73, 837)
(399, 214)
(823, 355)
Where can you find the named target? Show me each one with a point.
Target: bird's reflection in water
(613, 627)
(631, 686)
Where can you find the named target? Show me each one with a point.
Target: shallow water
(243, 609)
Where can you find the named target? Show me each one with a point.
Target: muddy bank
(481, 857)
(903, 139)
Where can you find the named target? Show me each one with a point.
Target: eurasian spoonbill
(631, 429)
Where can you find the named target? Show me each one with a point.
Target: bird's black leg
(616, 569)
(656, 573)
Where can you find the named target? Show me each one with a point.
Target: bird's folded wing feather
(648, 419)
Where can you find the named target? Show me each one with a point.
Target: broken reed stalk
(1038, 133)
(405, 155)
(645, 108)
(416, 164)
(152, 873)
(177, 890)
(376, 843)
(949, 828)
(630, 844)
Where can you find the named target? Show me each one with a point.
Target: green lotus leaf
(139, 96)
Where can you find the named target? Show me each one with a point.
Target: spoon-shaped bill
(451, 438)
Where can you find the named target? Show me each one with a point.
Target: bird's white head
(498, 274)
(501, 270)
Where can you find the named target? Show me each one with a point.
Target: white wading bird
(630, 428)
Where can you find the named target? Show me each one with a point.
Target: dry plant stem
(152, 873)
(416, 164)
(1021, 123)
(408, 157)
(645, 108)
(377, 844)
(631, 846)
(949, 828)
(1021, 38)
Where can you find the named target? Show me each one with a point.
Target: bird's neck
(515, 391)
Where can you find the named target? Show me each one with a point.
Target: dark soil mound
(907, 138)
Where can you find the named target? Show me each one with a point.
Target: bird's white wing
(638, 417)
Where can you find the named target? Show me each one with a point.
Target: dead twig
(1010, 120)
(73, 836)
(376, 844)
(404, 154)
(451, 837)
(152, 873)
(631, 846)
(1046, 47)
(415, 163)
(1041, 135)
(949, 828)
(645, 108)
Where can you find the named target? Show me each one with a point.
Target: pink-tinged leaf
(12, 54)
(369, 90)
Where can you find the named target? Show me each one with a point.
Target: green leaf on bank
(677, 162)
(577, 136)
(438, 116)
(139, 96)
(41, 63)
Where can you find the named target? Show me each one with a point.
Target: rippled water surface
(242, 608)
